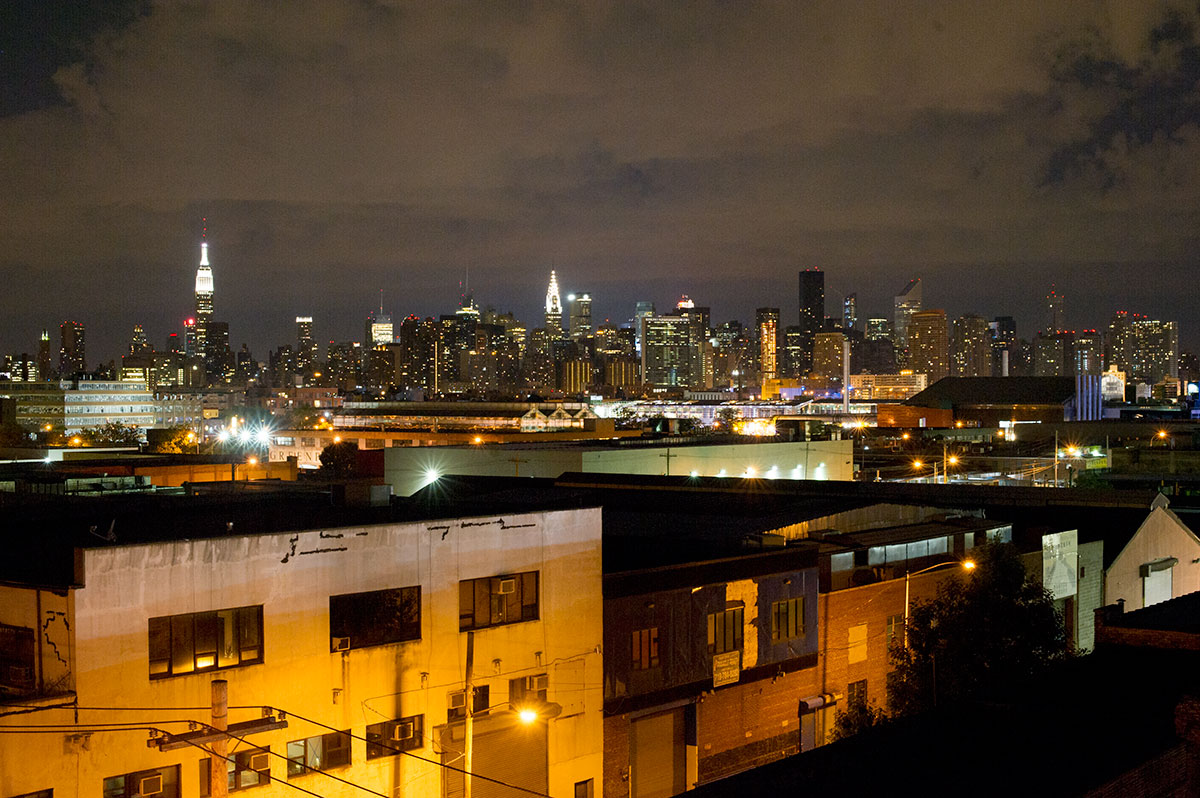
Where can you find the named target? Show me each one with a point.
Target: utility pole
(516, 461)
(668, 455)
(218, 767)
(469, 727)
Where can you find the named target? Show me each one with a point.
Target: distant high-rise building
(1055, 311)
(378, 330)
(306, 347)
(204, 300)
(671, 351)
(1054, 354)
(1003, 330)
(971, 347)
(850, 312)
(767, 322)
(72, 357)
(793, 348)
(905, 304)
(828, 352)
(218, 357)
(1089, 353)
(878, 330)
(812, 312)
(1147, 350)
(928, 344)
(640, 311)
(138, 345)
(580, 315)
(45, 362)
(553, 308)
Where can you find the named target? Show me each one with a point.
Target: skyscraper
(906, 303)
(553, 308)
(204, 300)
(44, 362)
(928, 344)
(850, 311)
(1054, 311)
(306, 347)
(640, 311)
(581, 315)
(671, 351)
(971, 347)
(72, 356)
(767, 322)
(812, 313)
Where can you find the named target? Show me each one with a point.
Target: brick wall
(616, 756)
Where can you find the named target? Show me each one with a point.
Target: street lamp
(967, 565)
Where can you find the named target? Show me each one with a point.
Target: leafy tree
(339, 460)
(984, 636)
(726, 416)
(172, 440)
(112, 433)
(857, 718)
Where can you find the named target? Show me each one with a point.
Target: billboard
(1060, 558)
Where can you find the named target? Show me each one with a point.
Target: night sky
(643, 150)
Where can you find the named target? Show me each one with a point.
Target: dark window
(249, 768)
(17, 675)
(393, 736)
(457, 703)
(645, 648)
(358, 620)
(317, 753)
(725, 631)
(156, 783)
(205, 641)
(856, 694)
(787, 619)
(895, 629)
(497, 600)
(38, 794)
(528, 689)
(584, 789)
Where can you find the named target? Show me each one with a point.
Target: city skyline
(642, 151)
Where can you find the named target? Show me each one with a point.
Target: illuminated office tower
(72, 356)
(971, 347)
(641, 311)
(580, 315)
(828, 353)
(1055, 309)
(45, 363)
(767, 321)
(671, 351)
(378, 330)
(905, 304)
(306, 347)
(928, 344)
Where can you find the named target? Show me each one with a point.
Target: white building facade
(358, 636)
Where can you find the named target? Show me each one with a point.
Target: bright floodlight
(262, 436)
(431, 474)
(223, 435)
(968, 564)
(527, 716)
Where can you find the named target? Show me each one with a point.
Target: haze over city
(642, 150)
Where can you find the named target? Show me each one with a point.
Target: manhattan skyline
(642, 151)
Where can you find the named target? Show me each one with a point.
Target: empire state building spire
(204, 299)
(553, 307)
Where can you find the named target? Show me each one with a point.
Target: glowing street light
(967, 565)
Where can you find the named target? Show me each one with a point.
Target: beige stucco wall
(292, 576)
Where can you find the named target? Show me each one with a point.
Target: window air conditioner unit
(151, 785)
(402, 731)
(339, 644)
(534, 684)
(458, 700)
(507, 586)
(260, 760)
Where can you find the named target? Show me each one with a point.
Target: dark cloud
(642, 149)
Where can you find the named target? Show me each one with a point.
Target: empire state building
(204, 301)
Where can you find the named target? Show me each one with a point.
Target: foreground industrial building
(585, 635)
